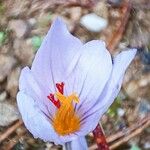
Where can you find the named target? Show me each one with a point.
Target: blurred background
(120, 23)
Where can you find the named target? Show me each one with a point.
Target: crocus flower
(69, 86)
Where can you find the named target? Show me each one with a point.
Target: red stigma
(60, 88)
(53, 100)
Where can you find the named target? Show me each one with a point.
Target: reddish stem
(100, 138)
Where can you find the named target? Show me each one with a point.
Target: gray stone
(13, 82)
(20, 27)
(138, 87)
(101, 9)
(6, 65)
(3, 96)
(143, 108)
(131, 89)
(116, 2)
(8, 114)
(23, 51)
(75, 13)
(32, 22)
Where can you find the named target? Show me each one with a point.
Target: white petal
(38, 123)
(40, 126)
(90, 74)
(35, 121)
(111, 90)
(78, 144)
(31, 87)
(55, 54)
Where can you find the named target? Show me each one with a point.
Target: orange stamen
(65, 121)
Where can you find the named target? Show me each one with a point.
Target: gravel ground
(24, 23)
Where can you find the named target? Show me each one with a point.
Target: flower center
(65, 121)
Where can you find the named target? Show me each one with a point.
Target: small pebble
(32, 22)
(3, 96)
(20, 27)
(6, 65)
(93, 22)
(120, 112)
(8, 114)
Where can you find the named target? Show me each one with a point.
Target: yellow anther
(66, 121)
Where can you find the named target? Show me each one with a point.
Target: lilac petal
(35, 121)
(28, 85)
(78, 144)
(39, 125)
(90, 74)
(54, 55)
(111, 90)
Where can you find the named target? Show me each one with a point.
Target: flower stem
(100, 138)
(67, 146)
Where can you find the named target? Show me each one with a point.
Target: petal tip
(58, 20)
(132, 51)
(58, 23)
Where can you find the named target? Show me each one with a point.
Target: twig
(14, 141)
(128, 130)
(117, 36)
(10, 130)
(127, 138)
(123, 137)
